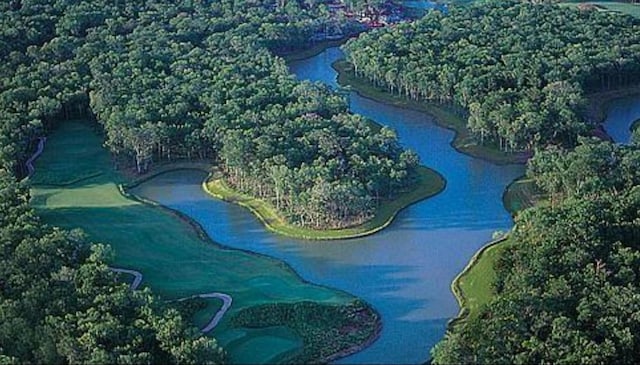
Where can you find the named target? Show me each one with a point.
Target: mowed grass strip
(79, 143)
(428, 183)
(175, 261)
(473, 288)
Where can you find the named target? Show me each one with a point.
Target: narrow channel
(406, 270)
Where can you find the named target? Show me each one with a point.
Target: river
(406, 270)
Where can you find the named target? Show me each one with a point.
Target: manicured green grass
(428, 184)
(87, 162)
(280, 344)
(615, 6)
(175, 259)
(474, 288)
(442, 115)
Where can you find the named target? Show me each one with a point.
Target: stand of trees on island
(165, 81)
(171, 82)
(517, 70)
(568, 288)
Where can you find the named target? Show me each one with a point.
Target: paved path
(29, 163)
(226, 303)
(136, 281)
(226, 299)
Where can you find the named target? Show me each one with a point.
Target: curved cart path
(137, 276)
(29, 162)
(226, 303)
(226, 299)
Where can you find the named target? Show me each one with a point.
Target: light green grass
(615, 6)
(175, 259)
(442, 115)
(473, 288)
(428, 184)
(281, 343)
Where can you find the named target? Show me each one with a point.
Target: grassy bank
(473, 287)
(362, 325)
(428, 184)
(598, 103)
(75, 186)
(443, 116)
(521, 194)
(612, 6)
(309, 52)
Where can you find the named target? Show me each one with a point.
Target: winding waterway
(406, 270)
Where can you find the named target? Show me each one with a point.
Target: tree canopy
(567, 291)
(198, 80)
(164, 81)
(60, 303)
(519, 70)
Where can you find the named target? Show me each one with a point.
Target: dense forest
(171, 82)
(60, 303)
(567, 291)
(164, 82)
(518, 71)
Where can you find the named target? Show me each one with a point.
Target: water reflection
(406, 270)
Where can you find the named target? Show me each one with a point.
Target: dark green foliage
(60, 303)
(166, 81)
(171, 82)
(517, 69)
(325, 330)
(568, 290)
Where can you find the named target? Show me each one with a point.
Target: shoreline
(430, 183)
(200, 231)
(314, 50)
(440, 114)
(123, 181)
(599, 103)
(457, 291)
(357, 348)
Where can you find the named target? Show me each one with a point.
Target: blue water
(620, 114)
(424, 4)
(406, 270)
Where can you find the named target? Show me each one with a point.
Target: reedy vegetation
(516, 70)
